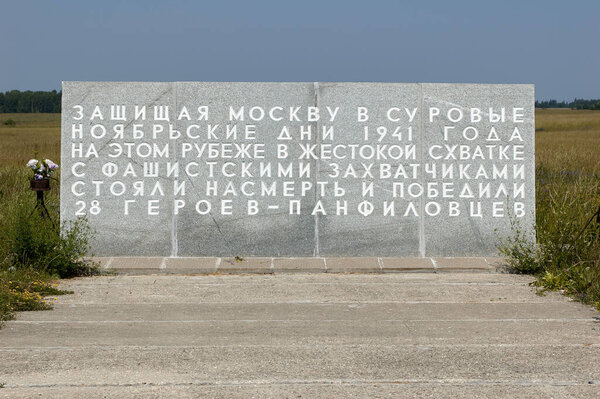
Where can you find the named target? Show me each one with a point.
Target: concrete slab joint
(450, 335)
(253, 265)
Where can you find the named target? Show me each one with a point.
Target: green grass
(32, 252)
(25, 289)
(567, 195)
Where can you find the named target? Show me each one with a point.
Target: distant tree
(30, 101)
(578, 103)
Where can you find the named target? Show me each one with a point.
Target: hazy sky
(553, 44)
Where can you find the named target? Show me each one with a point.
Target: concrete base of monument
(268, 265)
(303, 335)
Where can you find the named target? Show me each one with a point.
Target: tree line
(30, 101)
(50, 101)
(578, 103)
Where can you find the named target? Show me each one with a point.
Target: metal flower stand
(40, 186)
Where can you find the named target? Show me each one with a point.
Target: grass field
(32, 132)
(24, 284)
(568, 140)
(567, 193)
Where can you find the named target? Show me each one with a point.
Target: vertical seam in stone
(174, 244)
(491, 267)
(380, 263)
(434, 263)
(163, 264)
(421, 200)
(532, 166)
(317, 163)
(110, 261)
(217, 264)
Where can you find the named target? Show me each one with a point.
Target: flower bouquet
(42, 173)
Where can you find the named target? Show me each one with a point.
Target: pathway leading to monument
(304, 335)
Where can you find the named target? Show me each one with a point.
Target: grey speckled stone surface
(375, 234)
(116, 235)
(274, 232)
(477, 236)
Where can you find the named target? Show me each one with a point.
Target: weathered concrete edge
(270, 265)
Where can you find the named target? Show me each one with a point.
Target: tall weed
(32, 240)
(565, 257)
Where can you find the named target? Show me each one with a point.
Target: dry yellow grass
(564, 119)
(32, 132)
(567, 195)
(570, 140)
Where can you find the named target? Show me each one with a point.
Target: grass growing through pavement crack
(25, 290)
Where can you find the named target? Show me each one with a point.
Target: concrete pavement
(407, 335)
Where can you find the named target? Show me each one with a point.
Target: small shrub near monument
(567, 256)
(37, 245)
(29, 234)
(33, 250)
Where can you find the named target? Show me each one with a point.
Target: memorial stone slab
(107, 159)
(248, 176)
(381, 121)
(194, 169)
(478, 158)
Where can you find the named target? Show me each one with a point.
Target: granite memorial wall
(297, 169)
